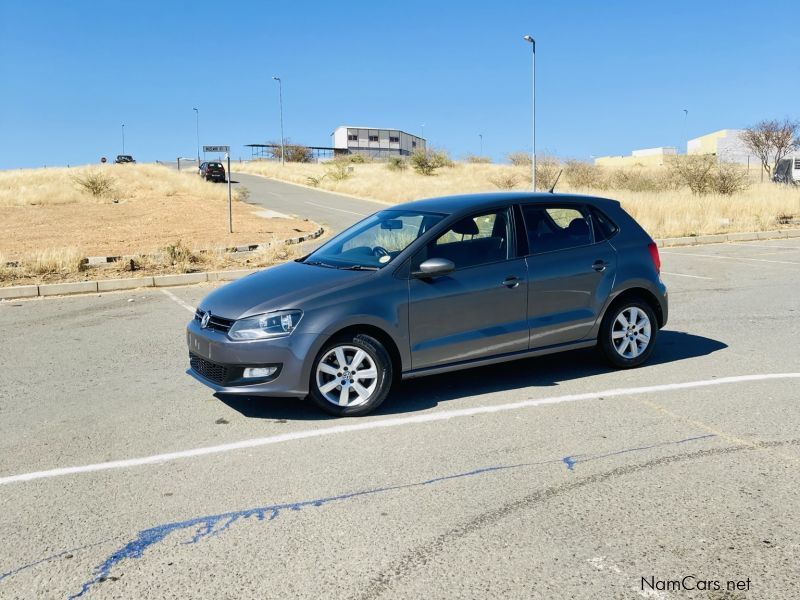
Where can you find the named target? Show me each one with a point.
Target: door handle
(511, 281)
(599, 265)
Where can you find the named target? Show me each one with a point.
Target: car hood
(290, 285)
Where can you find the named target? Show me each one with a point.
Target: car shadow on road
(427, 392)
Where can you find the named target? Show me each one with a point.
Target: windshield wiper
(359, 268)
(318, 263)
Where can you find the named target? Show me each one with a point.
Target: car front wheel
(351, 376)
(628, 334)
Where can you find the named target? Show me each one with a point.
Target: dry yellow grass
(664, 214)
(54, 186)
(50, 222)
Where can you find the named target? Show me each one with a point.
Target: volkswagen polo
(433, 286)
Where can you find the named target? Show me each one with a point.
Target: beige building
(647, 157)
(725, 144)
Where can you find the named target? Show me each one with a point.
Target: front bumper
(218, 362)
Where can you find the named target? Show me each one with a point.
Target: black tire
(606, 343)
(376, 353)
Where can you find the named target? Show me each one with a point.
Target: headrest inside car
(466, 227)
(578, 227)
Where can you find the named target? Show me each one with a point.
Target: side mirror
(434, 267)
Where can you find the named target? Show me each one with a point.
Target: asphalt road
(334, 212)
(544, 478)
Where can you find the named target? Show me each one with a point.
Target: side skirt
(498, 359)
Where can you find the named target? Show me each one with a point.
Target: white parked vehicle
(788, 170)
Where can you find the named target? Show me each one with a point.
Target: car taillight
(654, 255)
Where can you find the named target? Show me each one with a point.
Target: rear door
(478, 310)
(571, 271)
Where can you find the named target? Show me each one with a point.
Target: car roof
(468, 202)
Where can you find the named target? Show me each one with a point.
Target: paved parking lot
(544, 478)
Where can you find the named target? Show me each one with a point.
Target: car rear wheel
(628, 333)
(351, 376)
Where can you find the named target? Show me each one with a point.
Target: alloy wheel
(346, 376)
(630, 334)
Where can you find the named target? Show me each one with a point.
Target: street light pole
(480, 135)
(532, 42)
(197, 131)
(685, 131)
(123, 138)
(280, 100)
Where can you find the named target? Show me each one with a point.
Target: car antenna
(552, 189)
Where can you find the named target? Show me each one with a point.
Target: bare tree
(772, 140)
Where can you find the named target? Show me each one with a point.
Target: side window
(473, 241)
(604, 228)
(552, 228)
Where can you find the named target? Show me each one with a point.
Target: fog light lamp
(253, 372)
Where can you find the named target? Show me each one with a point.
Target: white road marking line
(443, 415)
(337, 209)
(779, 262)
(180, 302)
(685, 275)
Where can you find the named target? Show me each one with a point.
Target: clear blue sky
(611, 76)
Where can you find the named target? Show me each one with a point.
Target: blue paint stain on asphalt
(213, 525)
(572, 460)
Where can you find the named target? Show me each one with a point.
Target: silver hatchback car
(433, 286)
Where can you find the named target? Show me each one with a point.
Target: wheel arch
(379, 334)
(640, 293)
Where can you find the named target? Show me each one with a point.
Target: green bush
(729, 179)
(505, 180)
(339, 170)
(396, 163)
(294, 152)
(519, 159)
(476, 159)
(426, 162)
(98, 184)
(583, 175)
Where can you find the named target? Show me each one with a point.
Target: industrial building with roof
(726, 145)
(375, 142)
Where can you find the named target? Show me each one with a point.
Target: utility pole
(280, 99)
(197, 131)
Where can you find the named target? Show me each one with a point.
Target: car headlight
(268, 326)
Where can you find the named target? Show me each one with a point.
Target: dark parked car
(124, 159)
(433, 286)
(212, 171)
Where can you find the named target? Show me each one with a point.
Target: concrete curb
(722, 238)
(109, 285)
(94, 261)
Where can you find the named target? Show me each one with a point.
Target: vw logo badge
(204, 321)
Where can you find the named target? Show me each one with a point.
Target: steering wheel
(380, 251)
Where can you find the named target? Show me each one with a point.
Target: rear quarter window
(604, 227)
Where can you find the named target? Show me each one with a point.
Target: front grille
(210, 370)
(214, 322)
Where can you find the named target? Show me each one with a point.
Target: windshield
(374, 242)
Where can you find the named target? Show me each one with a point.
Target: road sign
(216, 148)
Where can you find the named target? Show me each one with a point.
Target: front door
(478, 310)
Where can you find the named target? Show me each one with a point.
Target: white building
(725, 144)
(375, 142)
